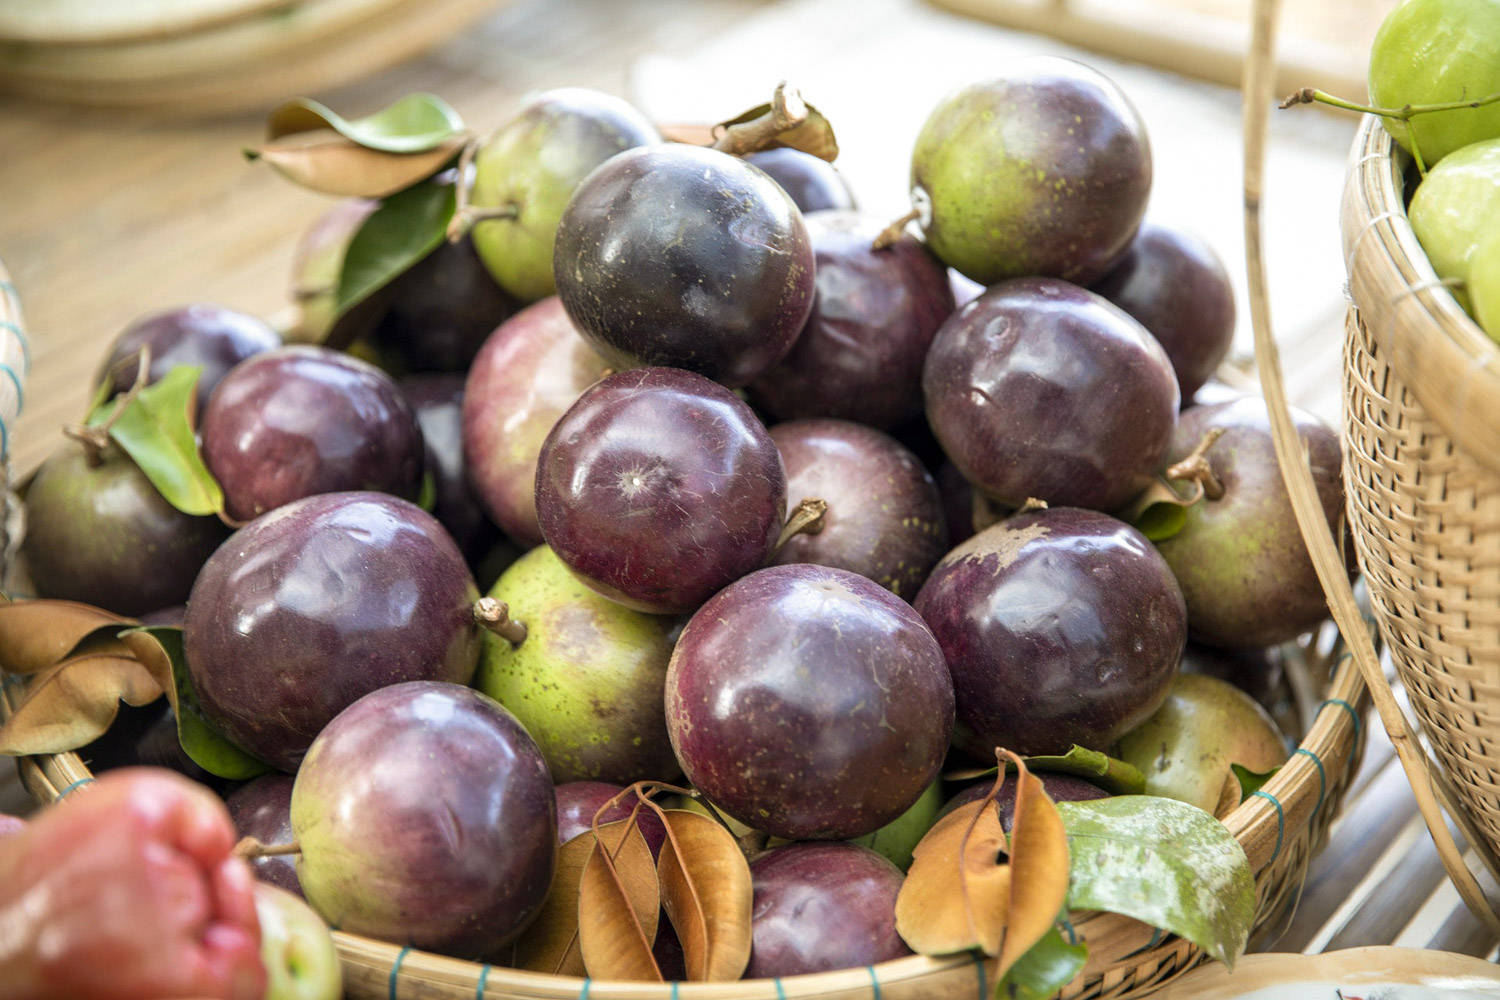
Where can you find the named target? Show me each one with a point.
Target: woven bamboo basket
(1422, 468)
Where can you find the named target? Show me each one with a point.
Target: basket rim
(1262, 824)
(1446, 359)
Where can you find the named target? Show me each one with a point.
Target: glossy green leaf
(159, 648)
(1114, 776)
(427, 496)
(406, 227)
(156, 430)
(1160, 511)
(1045, 968)
(414, 124)
(1165, 863)
(1252, 781)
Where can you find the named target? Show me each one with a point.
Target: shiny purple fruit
(300, 421)
(860, 355)
(884, 517)
(441, 311)
(437, 401)
(1042, 389)
(1059, 788)
(809, 702)
(205, 336)
(684, 256)
(1060, 626)
(658, 488)
(262, 809)
(820, 907)
(426, 818)
(814, 183)
(1176, 286)
(318, 603)
(578, 801)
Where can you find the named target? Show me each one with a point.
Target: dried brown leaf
(957, 894)
(322, 160)
(550, 943)
(157, 662)
(619, 901)
(707, 892)
(1038, 866)
(36, 635)
(73, 703)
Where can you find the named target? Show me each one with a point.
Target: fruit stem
(806, 519)
(250, 848)
(495, 616)
(1195, 467)
(788, 110)
(890, 234)
(1031, 504)
(1310, 95)
(95, 438)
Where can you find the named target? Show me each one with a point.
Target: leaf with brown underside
(957, 894)
(1038, 865)
(619, 902)
(37, 635)
(550, 943)
(707, 892)
(74, 702)
(324, 161)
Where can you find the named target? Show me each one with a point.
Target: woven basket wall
(1422, 467)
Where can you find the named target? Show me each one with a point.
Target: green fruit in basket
(1185, 750)
(531, 167)
(588, 679)
(301, 962)
(1457, 203)
(1484, 283)
(1435, 52)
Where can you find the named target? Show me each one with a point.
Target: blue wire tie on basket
(583, 994)
(74, 786)
(1280, 821)
(484, 976)
(1322, 776)
(984, 987)
(15, 380)
(874, 982)
(780, 993)
(15, 328)
(1341, 703)
(395, 980)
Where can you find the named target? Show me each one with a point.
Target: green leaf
(1252, 781)
(156, 430)
(427, 497)
(1114, 776)
(1045, 968)
(209, 748)
(1165, 863)
(407, 226)
(414, 124)
(1160, 512)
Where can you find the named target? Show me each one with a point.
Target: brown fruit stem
(806, 519)
(464, 214)
(495, 616)
(1195, 467)
(95, 438)
(1031, 504)
(787, 111)
(250, 848)
(890, 234)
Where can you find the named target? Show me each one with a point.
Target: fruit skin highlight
(1043, 171)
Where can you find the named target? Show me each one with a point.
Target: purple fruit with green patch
(262, 808)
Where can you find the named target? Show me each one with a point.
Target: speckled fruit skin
(809, 702)
(106, 537)
(1043, 171)
(1176, 287)
(587, 681)
(820, 907)
(527, 374)
(441, 311)
(1039, 388)
(300, 421)
(318, 603)
(884, 518)
(686, 257)
(1060, 626)
(659, 487)
(578, 801)
(206, 336)
(876, 311)
(1187, 746)
(1059, 788)
(426, 817)
(437, 402)
(535, 163)
(262, 808)
(899, 838)
(814, 184)
(1241, 561)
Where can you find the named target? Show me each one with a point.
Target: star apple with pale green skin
(588, 679)
(532, 165)
(301, 962)
(1452, 208)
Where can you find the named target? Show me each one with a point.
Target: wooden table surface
(106, 216)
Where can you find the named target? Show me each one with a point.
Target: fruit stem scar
(806, 519)
(890, 234)
(787, 111)
(249, 848)
(495, 616)
(95, 438)
(1195, 467)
